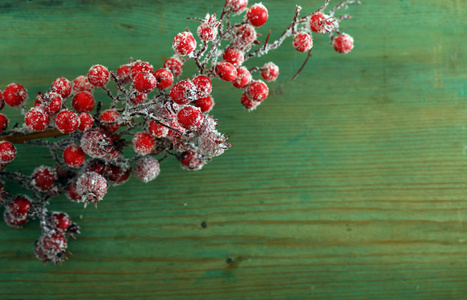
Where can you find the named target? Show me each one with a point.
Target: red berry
(248, 103)
(183, 92)
(191, 161)
(91, 187)
(236, 6)
(233, 56)
(166, 110)
(15, 95)
(85, 121)
(140, 66)
(303, 42)
(184, 43)
(43, 177)
(257, 15)
(94, 165)
(81, 84)
(190, 117)
(243, 78)
(270, 71)
(145, 82)
(60, 220)
(175, 66)
(143, 143)
(62, 86)
(205, 103)
(36, 119)
(246, 35)
(2, 102)
(175, 125)
(164, 78)
(53, 243)
(83, 102)
(146, 168)
(212, 143)
(257, 91)
(7, 152)
(3, 123)
(209, 124)
(70, 193)
(124, 74)
(12, 221)
(157, 130)
(343, 43)
(98, 76)
(109, 116)
(19, 206)
(207, 31)
(51, 103)
(321, 23)
(115, 174)
(74, 156)
(226, 71)
(139, 98)
(67, 121)
(98, 144)
(203, 85)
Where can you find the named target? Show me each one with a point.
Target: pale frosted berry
(146, 168)
(143, 143)
(246, 35)
(226, 71)
(19, 207)
(183, 92)
(83, 102)
(138, 98)
(67, 121)
(81, 84)
(233, 56)
(85, 121)
(184, 43)
(13, 222)
(74, 156)
(205, 103)
(108, 120)
(43, 178)
(36, 119)
(60, 220)
(209, 124)
(175, 66)
(98, 144)
(207, 31)
(203, 85)
(191, 161)
(257, 91)
(144, 82)
(53, 243)
(91, 187)
(248, 103)
(7, 152)
(62, 86)
(212, 143)
(166, 110)
(98, 76)
(270, 71)
(15, 95)
(190, 117)
(140, 66)
(237, 6)
(174, 125)
(343, 43)
(157, 130)
(51, 103)
(3, 123)
(303, 42)
(116, 174)
(322, 23)
(124, 73)
(164, 78)
(243, 78)
(257, 15)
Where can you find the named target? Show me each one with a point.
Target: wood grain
(348, 183)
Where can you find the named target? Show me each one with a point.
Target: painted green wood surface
(348, 183)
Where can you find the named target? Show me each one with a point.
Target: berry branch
(150, 110)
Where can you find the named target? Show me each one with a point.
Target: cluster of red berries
(151, 110)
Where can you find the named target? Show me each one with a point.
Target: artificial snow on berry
(138, 98)
(67, 121)
(85, 121)
(98, 144)
(164, 78)
(207, 31)
(184, 43)
(183, 92)
(36, 119)
(51, 103)
(205, 103)
(226, 71)
(60, 220)
(124, 74)
(203, 85)
(62, 86)
(91, 187)
(246, 35)
(146, 168)
(108, 120)
(236, 6)
(143, 143)
(212, 143)
(257, 15)
(248, 103)
(81, 84)
(303, 42)
(191, 161)
(74, 156)
(243, 78)
(175, 65)
(322, 23)
(233, 56)
(43, 178)
(98, 76)
(7, 152)
(343, 43)
(140, 66)
(257, 91)
(270, 71)
(15, 95)
(190, 117)
(145, 82)
(157, 130)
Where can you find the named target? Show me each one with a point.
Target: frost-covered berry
(166, 110)
(145, 82)
(174, 125)
(7, 152)
(74, 156)
(226, 71)
(43, 178)
(270, 71)
(237, 6)
(233, 56)
(108, 120)
(19, 206)
(124, 73)
(207, 31)
(303, 42)
(81, 84)
(209, 124)
(140, 66)
(60, 220)
(183, 92)
(13, 222)
(143, 143)
(51, 103)
(212, 143)
(62, 86)
(98, 76)
(243, 78)
(116, 174)
(98, 144)
(15, 95)
(91, 187)
(257, 91)
(94, 165)
(146, 169)
(71, 194)
(184, 43)
(85, 121)
(138, 98)
(175, 66)
(205, 103)
(67, 121)
(322, 23)
(246, 35)
(53, 243)
(190, 117)
(248, 103)
(203, 85)
(36, 119)
(343, 43)
(3, 123)
(83, 102)
(157, 130)
(257, 15)
(164, 78)
(191, 161)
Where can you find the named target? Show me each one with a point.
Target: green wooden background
(348, 183)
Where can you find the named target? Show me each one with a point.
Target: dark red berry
(51, 103)
(36, 119)
(248, 103)
(140, 66)
(61, 221)
(7, 152)
(233, 56)
(85, 121)
(108, 120)
(74, 156)
(145, 82)
(190, 117)
(43, 178)
(83, 102)
(124, 74)
(303, 42)
(270, 71)
(157, 130)
(243, 78)
(343, 43)
(205, 103)
(19, 206)
(164, 78)
(203, 85)
(139, 98)
(67, 121)
(236, 6)
(3, 123)
(15, 95)
(146, 168)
